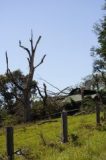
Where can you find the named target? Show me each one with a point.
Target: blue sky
(66, 29)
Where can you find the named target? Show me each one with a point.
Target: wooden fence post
(97, 114)
(10, 143)
(98, 110)
(64, 127)
(105, 114)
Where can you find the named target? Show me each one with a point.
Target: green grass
(43, 142)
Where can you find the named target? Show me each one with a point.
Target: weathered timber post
(105, 114)
(64, 127)
(82, 93)
(10, 143)
(97, 99)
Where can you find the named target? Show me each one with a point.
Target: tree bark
(27, 111)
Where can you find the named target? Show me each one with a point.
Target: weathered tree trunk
(27, 111)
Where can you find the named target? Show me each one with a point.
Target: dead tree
(26, 90)
(44, 97)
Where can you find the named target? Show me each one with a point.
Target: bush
(88, 105)
(40, 112)
(37, 111)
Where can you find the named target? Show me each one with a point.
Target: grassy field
(42, 141)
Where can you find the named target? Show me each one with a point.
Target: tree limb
(36, 44)
(39, 92)
(31, 41)
(50, 84)
(45, 90)
(7, 61)
(40, 62)
(10, 74)
(26, 49)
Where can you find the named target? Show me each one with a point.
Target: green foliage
(75, 139)
(9, 92)
(99, 53)
(88, 105)
(9, 120)
(39, 111)
(95, 82)
(11, 97)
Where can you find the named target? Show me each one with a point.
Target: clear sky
(66, 29)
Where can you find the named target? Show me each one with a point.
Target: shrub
(88, 105)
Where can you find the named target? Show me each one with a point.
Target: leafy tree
(6, 96)
(99, 52)
(94, 82)
(9, 93)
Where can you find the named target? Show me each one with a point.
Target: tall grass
(43, 141)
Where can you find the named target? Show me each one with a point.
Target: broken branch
(40, 61)
(36, 44)
(27, 50)
(10, 74)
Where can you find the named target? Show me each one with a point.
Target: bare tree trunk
(27, 111)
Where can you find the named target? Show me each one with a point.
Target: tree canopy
(99, 52)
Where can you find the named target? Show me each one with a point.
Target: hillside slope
(42, 141)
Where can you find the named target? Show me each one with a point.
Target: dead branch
(26, 49)
(7, 61)
(45, 96)
(31, 41)
(60, 91)
(50, 84)
(26, 90)
(40, 62)
(39, 91)
(50, 92)
(36, 44)
(9, 73)
(45, 90)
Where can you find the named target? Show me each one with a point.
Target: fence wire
(50, 116)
